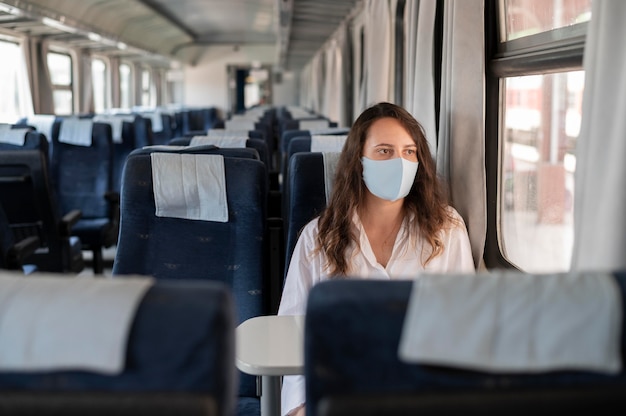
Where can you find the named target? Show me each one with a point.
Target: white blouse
(308, 268)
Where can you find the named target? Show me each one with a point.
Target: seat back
(231, 252)
(31, 207)
(305, 196)
(352, 335)
(179, 360)
(289, 135)
(6, 243)
(257, 144)
(83, 175)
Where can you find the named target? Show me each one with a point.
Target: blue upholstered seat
(257, 144)
(83, 179)
(179, 360)
(352, 333)
(305, 196)
(289, 135)
(31, 206)
(132, 133)
(232, 252)
(14, 253)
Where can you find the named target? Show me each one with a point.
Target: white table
(270, 347)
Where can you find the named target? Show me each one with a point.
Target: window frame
(63, 87)
(130, 91)
(556, 50)
(107, 82)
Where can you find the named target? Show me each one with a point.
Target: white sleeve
(458, 249)
(293, 393)
(303, 273)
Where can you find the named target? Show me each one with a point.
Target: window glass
(527, 17)
(11, 95)
(125, 86)
(540, 123)
(145, 88)
(60, 67)
(99, 83)
(62, 102)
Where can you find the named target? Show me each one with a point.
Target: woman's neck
(381, 221)
(379, 212)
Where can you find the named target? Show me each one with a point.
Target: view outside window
(60, 68)
(541, 123)
(528, 17)
(146, 80)
(11, 95)
(125, 86)
(99, 82)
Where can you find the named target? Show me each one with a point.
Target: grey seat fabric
(179, 360)
(352, 333)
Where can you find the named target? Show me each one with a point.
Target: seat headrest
(223, 141)
(515, 322)
(115, 121)
(330, 167)
(239, 125)
(327, 142)
(189, 186)
(76, 131)
(12, 136)
(313, 124)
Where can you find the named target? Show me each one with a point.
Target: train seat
(41, 122)
(202, 118)
(227, 141)
(289, 135)
(230, 247)
(32, 209)
(316, 143)
(309, 186)
(14, 253)
(160, 126)
(82, 172)
(362, 372)
(125, 129)
(177, 355)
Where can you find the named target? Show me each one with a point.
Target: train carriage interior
(159, 160)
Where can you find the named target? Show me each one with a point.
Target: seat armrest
(68, 221)
(112, 196)
(21, 250)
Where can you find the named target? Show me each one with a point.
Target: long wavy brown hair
(426, 204)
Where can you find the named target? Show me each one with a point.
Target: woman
(387, 219)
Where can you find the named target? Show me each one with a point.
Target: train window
(60, 68)
(535, 88)
(148, 96)
(126, 85)
(99, 83)
(528, 17)
(14, 88)
(540, 123)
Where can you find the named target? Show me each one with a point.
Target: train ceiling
(165, 30)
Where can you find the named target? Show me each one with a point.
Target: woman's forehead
(388, 131)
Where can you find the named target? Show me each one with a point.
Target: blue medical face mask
(389, 179)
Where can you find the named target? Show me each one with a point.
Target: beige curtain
(419, 87)
(600, 195)
(461, 138)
